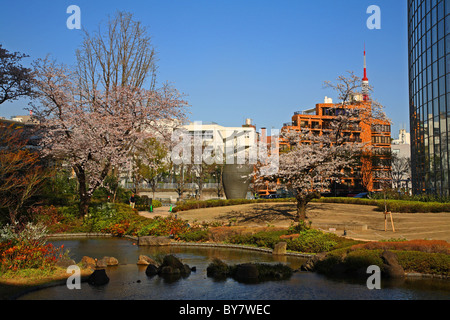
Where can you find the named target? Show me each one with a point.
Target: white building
(401, 169)
(230, 142)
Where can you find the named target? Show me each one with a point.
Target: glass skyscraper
(429, 93)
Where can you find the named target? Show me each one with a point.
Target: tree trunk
(302, 202)
(84, 205)
(85, 199)
(301, 209)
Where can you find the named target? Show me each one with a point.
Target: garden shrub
(26, 248)
(115, 218)
(266, 239)
(311, 241)
(195, 236)
(298, 227)
(221, 234)
(361, 259)
(423, 262)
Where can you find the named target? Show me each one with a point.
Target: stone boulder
(154, 241)
(98, 278)
(65, 262)
(280, 248)
(391, 267)
(145, 261)
(110, 261)
(171, 266)
(88, 262)
(152, 270)
(310, 264)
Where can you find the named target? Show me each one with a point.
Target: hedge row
(400, 206)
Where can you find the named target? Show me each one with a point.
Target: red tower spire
(365, 80)
(365, 69)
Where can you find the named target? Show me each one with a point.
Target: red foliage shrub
(28, 255)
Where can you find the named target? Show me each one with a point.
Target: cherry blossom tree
(96, 136)
(96, 112)
(311, 162)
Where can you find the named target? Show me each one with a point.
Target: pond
(128, 281)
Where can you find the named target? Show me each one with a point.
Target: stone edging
(236, 246)
(184, 244)
(80, 235)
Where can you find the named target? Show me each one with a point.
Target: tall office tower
(429, 94)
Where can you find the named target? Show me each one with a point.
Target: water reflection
(129, 281)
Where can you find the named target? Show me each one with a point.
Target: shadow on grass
(261, 213)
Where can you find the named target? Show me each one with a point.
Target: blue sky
(237, 59)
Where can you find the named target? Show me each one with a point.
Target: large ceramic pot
(236, 179)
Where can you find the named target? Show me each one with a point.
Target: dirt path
(359, 221)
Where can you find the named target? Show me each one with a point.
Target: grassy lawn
(12, 284)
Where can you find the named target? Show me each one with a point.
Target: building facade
(401, 162)
(429, 94)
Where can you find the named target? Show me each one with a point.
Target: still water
(128, 281)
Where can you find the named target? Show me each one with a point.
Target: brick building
(372, 171)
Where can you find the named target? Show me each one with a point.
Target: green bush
(361, 259)
(259, 239)
(143, 203)
(195, 236)
(311, 241)
(298, 227)
(423, 262)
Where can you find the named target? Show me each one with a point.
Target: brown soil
(359, 221)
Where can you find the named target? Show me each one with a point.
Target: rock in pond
(98, 278)
(88, 262)
(280, 248)
(391, 267)
(110, 261)
(170, 267)
(145, 260)
(151, 270)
